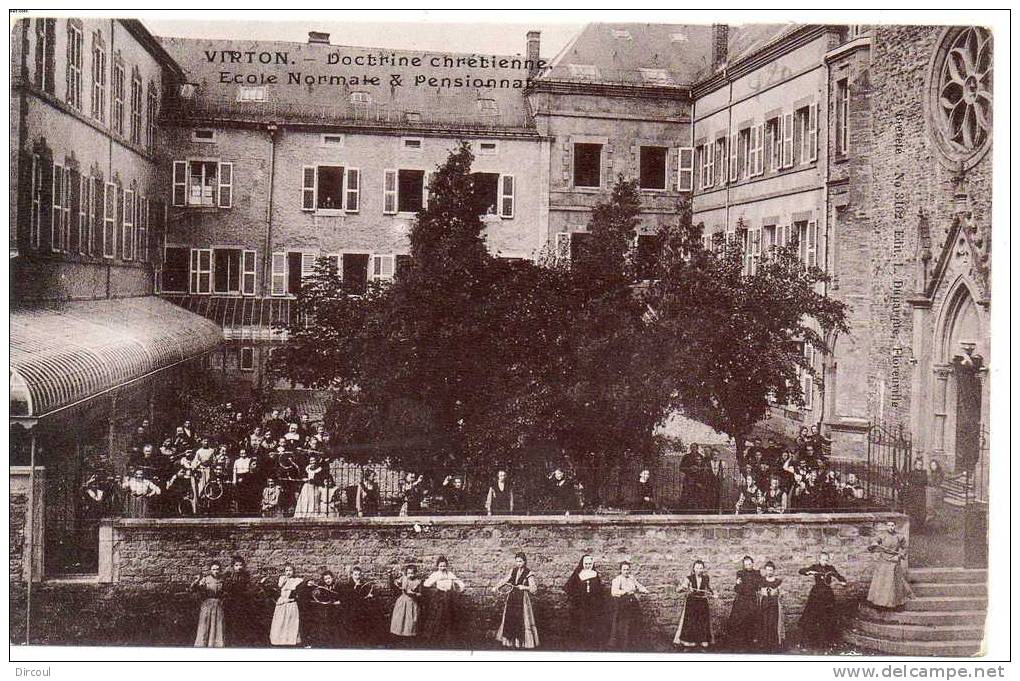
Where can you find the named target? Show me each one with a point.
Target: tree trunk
(739, 444)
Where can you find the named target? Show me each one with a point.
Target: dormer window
(361, 98)
(621, 34)
(252, 94)
(656, 76)
(583, 71)
(488, 107)
(412, 117)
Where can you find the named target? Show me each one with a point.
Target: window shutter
(109, 219)
(278, 285)
(506, 196)
(56, 211)
(180, 182)
(733, 157)
(390, 192)
(787, 140)
(95, 211)
(308, 187)
(812, 133)
(760, 156)
(812, 243)
(226, 185)
(248, 273)
(720, 161)
(685, 170)
(127, 225)
(352, 191)
(426, 181)
(307, 265)
(381, 268)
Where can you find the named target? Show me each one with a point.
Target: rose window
(963, 103)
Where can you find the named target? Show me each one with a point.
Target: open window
(653, 168)
(587, 165)
(203, 183)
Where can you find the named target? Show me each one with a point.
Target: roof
(240, 318)
(65, 353)
(634, 54)
(149, 42)
(410, 106)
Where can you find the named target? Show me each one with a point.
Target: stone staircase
(945, 618)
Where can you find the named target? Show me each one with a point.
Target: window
(411, 143)
(807, 241)
(142, 229)
(494, 194)
(35, 220)
(734, 170)
(488, 107)
(412, 117)
(720, 160)
(773, 148)
(248, 273)
(403, 191)
(151, 115)
(646, 251)
(175, 272)
(685, 169)
(98, 77)
(807, 382)
(74, 65)
(756, 151)
(205, 135)
(381, 267)
(587, 71)
(227, 270)
(252, 94)
(587, 165)
(136, 106)
(706, 166)
(744, 153)
(354, 271)
(751, 249)
(324, 188)
(57, 208)
(278, 283)
(806, 131)
(247, 358)
(118, 97)
(45, 40)
(329, 140)
(487, 149)
(201, 270)
(127, 234)
(95, 213)
(203, 183)
(842, 116)
(653, 168)
(110, 220)
(361, 98)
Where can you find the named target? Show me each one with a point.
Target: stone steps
(944, 618)
(921, 617)
(949, 589)
(915, 648)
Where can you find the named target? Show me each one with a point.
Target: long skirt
(404, 621)
(588, 622)
(286, 627)
(138, 506)
(695, 622)
(625, 628)
(210, 624)
(744, 623)
(772, 632)
(889, 588)
(517, 629)
(818, 621)
(442, 625)
(309, 502)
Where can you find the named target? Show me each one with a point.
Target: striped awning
(241, 318)
(64, 353)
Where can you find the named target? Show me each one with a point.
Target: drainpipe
(267, 258)
(30, 537)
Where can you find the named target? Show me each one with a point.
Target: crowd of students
(407, 609)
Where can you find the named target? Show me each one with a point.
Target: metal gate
(889, 455)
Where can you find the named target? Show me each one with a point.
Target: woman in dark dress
(772, 633)
(366, 499)
(818, 622)
(587, 595)
(517, 629)
(695, 627)
(360, 603)
(238, 602)
(744, 624)
(442, 624)
(625, 631)
(325, 607)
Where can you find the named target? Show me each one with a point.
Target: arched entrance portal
(961, 341)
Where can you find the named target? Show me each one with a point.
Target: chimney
(534, 41)
(318, 38)
(720, 45)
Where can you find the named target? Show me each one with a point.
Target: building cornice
(356, 128)
(610, 89)
(769, 52)
(148, 41)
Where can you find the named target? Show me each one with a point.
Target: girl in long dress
(406, 611)
(625, 628)
(325, 608)
(695, 626)
(818, 621)
(517, 629)
(210, 632)
(587, 595)
(744, 623)
(285, 629)
(442, 625)
(140, 491)
(889, 588)
(770, 604)
(309, 503)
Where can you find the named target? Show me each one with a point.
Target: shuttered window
(506, 196)
(278, 284)
(685, 169)
(390, 192)
(226, 185)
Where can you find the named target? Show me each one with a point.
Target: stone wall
(146, 564)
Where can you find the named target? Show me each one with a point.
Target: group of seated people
(797, 478)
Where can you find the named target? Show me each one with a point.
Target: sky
(481, 38)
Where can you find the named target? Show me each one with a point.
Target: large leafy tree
(730, 340)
